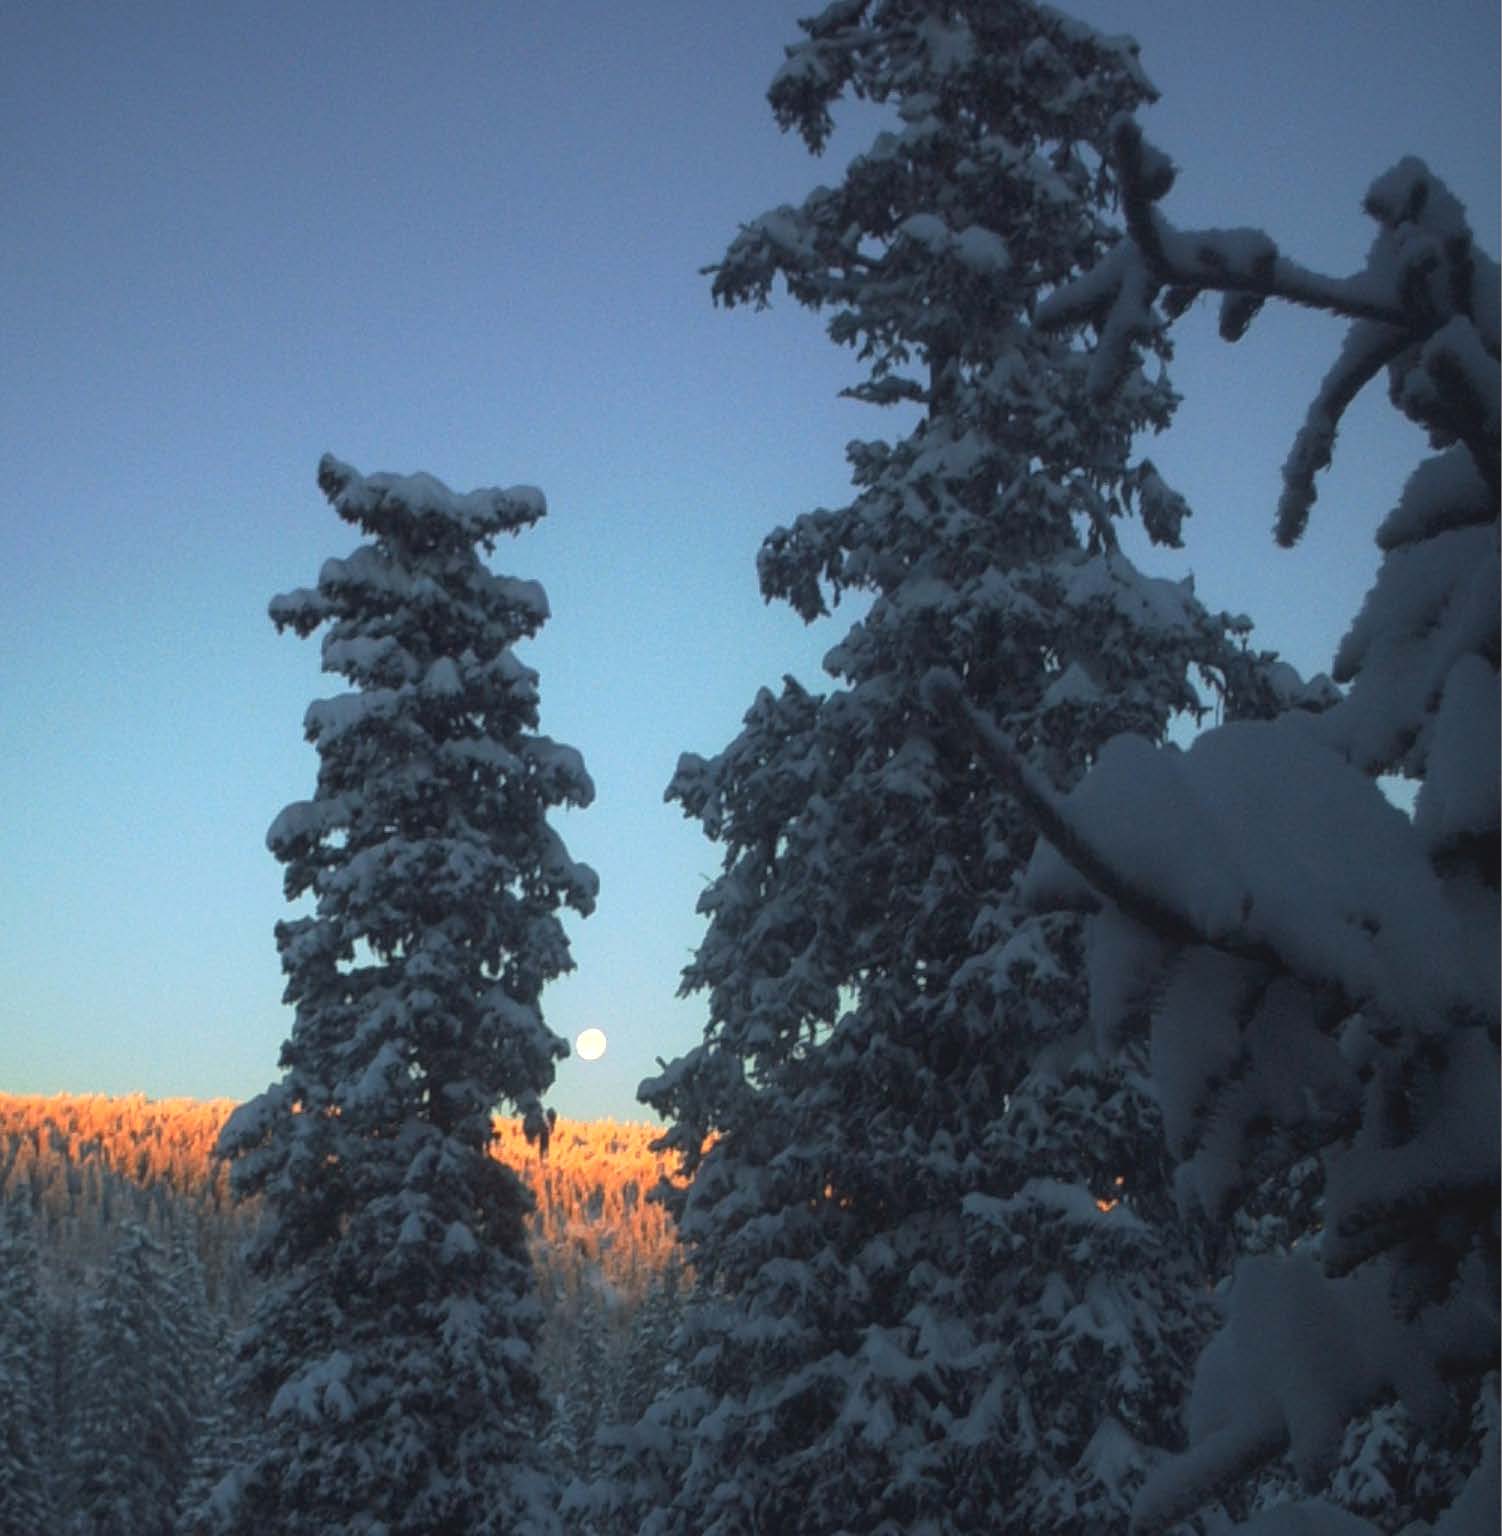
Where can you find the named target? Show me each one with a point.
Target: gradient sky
(465, 238)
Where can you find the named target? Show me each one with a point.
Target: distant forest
(91, 1184)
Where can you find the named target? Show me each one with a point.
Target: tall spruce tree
(391, 1351)
(946, 1292)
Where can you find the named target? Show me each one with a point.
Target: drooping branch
(1367, 351)
(945, 698)
(1419, 285)
(1229, 261)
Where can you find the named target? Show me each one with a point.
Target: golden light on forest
(590, 1044)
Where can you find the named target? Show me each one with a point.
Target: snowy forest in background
(122, 1283)
(1088, 1133)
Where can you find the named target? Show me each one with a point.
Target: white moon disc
(590, 1044)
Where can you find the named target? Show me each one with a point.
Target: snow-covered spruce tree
(390, 1352)
(637, 1423)
(24, 1503)
(1321, 976)
(59, 1349)
(204, 1332)
(135, 1395)
(946, 1294)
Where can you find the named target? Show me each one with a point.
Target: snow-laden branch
(945, 697)
(1424, 307)
(1258, 803)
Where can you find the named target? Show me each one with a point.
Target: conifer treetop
(426, 840)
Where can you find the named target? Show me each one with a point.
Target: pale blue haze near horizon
(466, 239)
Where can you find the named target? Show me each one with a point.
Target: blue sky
(466, 239)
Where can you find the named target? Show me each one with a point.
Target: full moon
(590, 1045)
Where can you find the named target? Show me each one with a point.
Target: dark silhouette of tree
(1319, 972)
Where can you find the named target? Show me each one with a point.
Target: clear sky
(465, 238)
